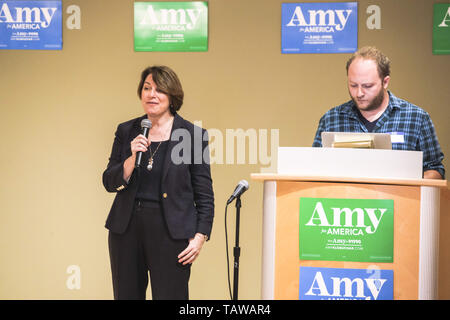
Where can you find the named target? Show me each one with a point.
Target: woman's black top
(150, 181)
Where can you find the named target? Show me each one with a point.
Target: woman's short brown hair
(167, 82)
(372, 53)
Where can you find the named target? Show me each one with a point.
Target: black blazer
(187, 197)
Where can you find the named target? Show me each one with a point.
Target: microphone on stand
(240, 189)
(146, 125)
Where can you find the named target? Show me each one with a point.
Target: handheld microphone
(146, 125)
(240, 189)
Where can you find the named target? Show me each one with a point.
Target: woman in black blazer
(163, 211)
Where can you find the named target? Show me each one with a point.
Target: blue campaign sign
(31, 25)
(345, 284)
(319, 27)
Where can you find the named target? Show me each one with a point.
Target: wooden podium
(421, 259)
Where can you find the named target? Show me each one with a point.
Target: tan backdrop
(59, 111)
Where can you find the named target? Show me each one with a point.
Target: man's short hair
(372, 53)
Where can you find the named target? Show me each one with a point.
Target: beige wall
(59, 111)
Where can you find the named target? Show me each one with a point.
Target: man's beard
(374, 104)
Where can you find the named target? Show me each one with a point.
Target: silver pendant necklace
(150, 160)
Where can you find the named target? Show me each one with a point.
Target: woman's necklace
(152, 154)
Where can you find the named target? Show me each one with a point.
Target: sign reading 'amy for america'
(31, 25)
(345, 284)
(171, 26)
(319, 27)
(346, 229)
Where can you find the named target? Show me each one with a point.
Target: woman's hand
(192, 251)
(140, 143)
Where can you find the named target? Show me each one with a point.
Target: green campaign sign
(346, 229)
(441, 28)
(171, 26)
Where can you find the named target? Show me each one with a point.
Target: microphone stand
(237, 250)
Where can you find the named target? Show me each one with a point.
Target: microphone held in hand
(146, 125)
(240, 189)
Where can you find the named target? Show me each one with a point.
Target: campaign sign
(441, 28)
(345, 284)
(171, 26)
(31, 25)
(346, 229)
(319, 27)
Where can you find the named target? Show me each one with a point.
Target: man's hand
(432, 174)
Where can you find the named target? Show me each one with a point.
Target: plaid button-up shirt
(401, 118)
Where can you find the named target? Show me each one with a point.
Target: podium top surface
(350, 162)
(396, 181)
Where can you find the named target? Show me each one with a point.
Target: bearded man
(373, 108)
